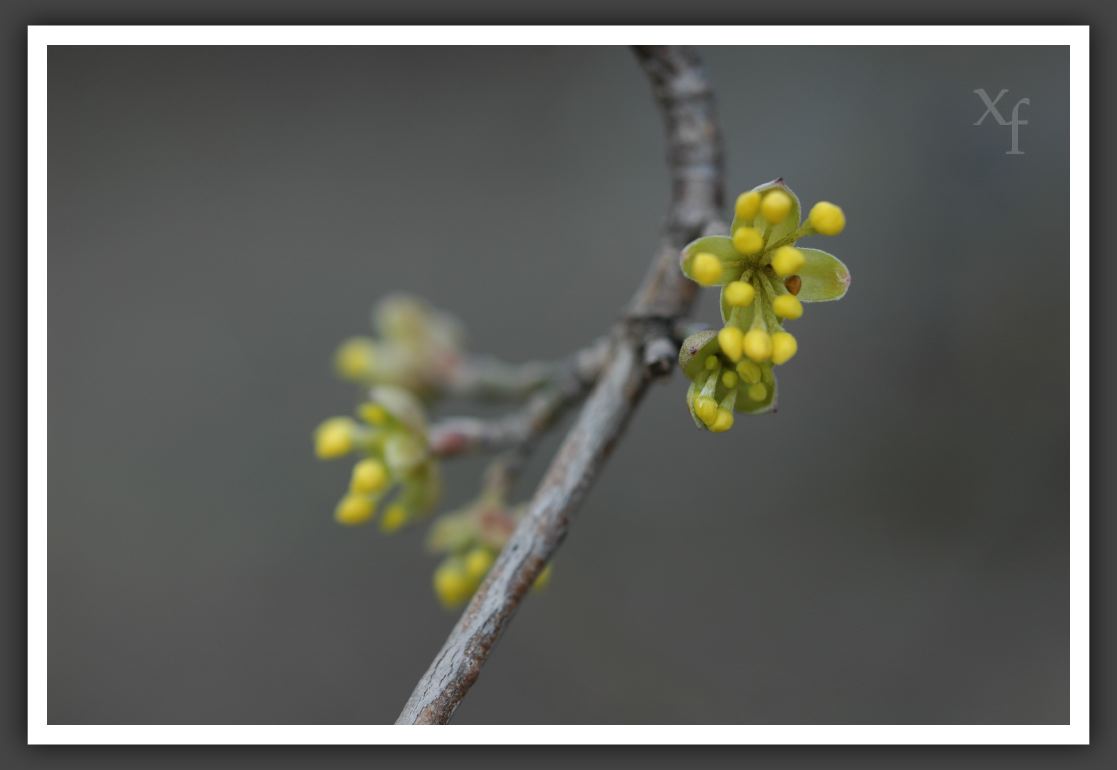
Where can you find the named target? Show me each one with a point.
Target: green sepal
(694, 351)
(403, 407)
(748, 406)
(452, 532)
(721, 247)
(692, 394)
(789, 225)
(825, 277)
(745, 315)
(403, 453)
(420, 490)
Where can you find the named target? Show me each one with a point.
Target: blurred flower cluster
(417, 347)
(396, 477)
(469, 539)
(765, 278)
(396, 471)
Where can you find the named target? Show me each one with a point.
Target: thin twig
(481, 378)
(636, 355)
(568, 383)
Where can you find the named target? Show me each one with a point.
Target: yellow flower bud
(729, 340)
(369, 476)
(723, 422)
(748, 204)
(776, 206)
(787, 260)
(787, 306)
(355, 358)
(729, 379)
(758, 392)
(826, 218)
(748, 240)
(334, 438)
(452, 585)
(373, 414)
(395, 516)
(784, 347)
(739, 294)
(477, 563)
(749, 371)
(543, 580)
(354, 509)
(706, 268)
(706, 409)
(758, 345)
(711, 362)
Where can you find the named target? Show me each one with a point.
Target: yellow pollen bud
(729, 339)
(477, 563)
(729, 379)
(373, 414)
(369, 476)
(758, 392)
(739, 294)
(748, 240)
(706, 409)
(394, 517)
(787, 306)
(758, 345)
(355, 357)
(711, 362)
(354, 509)
(749, 372)
(826, 218)
(334, 438)
(784, 347)
(776, 206)
(723, 422)
(452, 585)
(747, 205)
(706, 269)
(787, 260)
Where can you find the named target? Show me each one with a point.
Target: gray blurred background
(890, 548)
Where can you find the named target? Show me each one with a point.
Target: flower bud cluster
(395, 472)
(765, 279)
(417, 346)
(469, 540)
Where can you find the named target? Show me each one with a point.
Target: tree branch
(640, 348)
(568, 382)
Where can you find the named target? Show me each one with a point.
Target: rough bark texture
(641, 347)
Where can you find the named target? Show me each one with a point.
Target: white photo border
(39, 731)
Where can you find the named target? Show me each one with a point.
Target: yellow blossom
(776, 206)
(826, 218)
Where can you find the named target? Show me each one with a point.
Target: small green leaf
(721, 247)
(784, 228)
(825, 277)
(694, 351)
